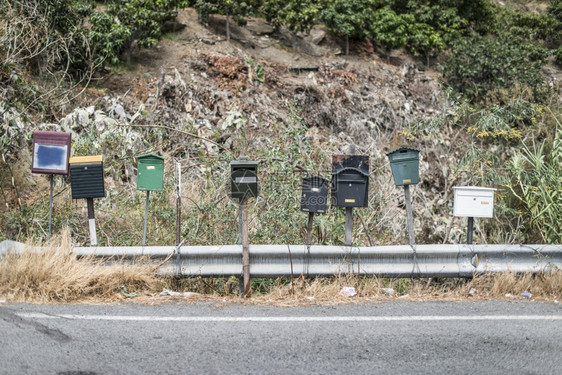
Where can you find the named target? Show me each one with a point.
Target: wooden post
(51, 208)
(145, 218)
(309, 229)
(470, 230)
(348, 225)
(92, 221)
(409, 214)
(245, 247)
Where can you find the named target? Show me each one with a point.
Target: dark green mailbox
(150, 172)
(405, 165)
(244, 179)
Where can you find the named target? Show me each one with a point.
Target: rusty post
(245, 247)
(409, 214)
(309, 229)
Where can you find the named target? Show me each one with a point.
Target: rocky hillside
(201, 101)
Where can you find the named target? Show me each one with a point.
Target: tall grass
(56, 275)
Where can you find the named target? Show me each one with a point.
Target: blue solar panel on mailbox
(51, 151)
(50, 157)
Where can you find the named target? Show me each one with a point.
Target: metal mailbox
(350, 181)
(86, 177)
(473, 201)
(244, 179)
(314, 196)
(405, 165)
(150, 172)
(51, 151)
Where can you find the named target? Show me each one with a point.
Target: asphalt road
(399, 338)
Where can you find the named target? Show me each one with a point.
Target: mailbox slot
(350, 181)
(86, 177)
(405, 166)
(314, 197)
(150, 172)
(244, 179)
(473, 201)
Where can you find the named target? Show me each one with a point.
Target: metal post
(92, 221)
(51, 207)
(178, 205)
(348, 225)
(409, 214)
(470, 230)
(309, 229)
(145, 218)
(245, 247)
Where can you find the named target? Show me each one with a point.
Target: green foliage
(125, 22)
(449, 16)
(296, 15)
(108, 37)
(536, 188)
(390, 29)
(425, 41)
(230, 8)
(528, 26)
(349, 18)
(479, 66)
(558, 55)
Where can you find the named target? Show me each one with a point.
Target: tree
(480, 66)
(423, 40)
(129, 22)
(390, 29)
(296, 15)
(349, 18)
(229, 8)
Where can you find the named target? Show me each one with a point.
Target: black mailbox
(86, 177)
(350, 181)
(314, 196)
(244, 179)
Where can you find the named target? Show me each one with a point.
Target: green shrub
(479, 66)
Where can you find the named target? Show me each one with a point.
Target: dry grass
(56, 276)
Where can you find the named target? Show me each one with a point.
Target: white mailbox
(473, 201)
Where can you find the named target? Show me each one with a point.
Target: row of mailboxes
(349, 185)
(86, 175)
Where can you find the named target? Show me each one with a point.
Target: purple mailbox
(51, 151)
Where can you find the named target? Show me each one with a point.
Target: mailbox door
(473, 203)
(86, 181)
(244, 183)
(150, 175)
(314, 196)
(405, 172)
(351, 189)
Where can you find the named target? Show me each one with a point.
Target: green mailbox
(405, 165)
(244, 179)
(150, 172)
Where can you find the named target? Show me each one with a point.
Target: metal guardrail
(285, 260)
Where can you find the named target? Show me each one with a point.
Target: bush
(479, 66)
